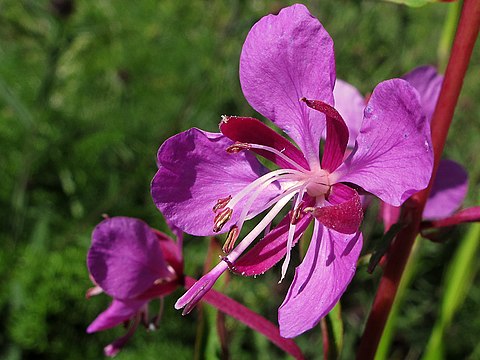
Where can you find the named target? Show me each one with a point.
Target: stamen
(156, 319)
(202, 286)
(221, 203)
(222, 218)
(247, 240)
(280, 174)
(279, 154)
(297, 213)
(291, 232)
(237, 147)
(231, 239)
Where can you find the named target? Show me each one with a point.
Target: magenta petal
(253, 131)
(463, 216)
(284, 58)
(171, 251)
(345, 214)
(320, 280)
(428, 83)
(118, 312)
(393, 158)
(337, 135)
(448, 191)
(194, 172)
(125, 257)
(350, 104)
(271, 249)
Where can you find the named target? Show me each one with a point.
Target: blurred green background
(88, 92)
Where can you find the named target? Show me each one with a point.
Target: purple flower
(450, 186)
(133, 264)
(287, 74)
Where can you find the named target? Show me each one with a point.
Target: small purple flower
(287, 74)
(134, 264)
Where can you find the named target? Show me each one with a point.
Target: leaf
(458, 281)
(381, 246)
(413, 3)
(332, 334)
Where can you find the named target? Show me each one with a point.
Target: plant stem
(250, 318)
(399, 252)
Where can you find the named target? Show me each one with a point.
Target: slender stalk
(250, 318)
(399, 252)
(448, 33)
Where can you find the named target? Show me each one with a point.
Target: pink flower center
(318, 183)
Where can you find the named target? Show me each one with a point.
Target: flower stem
(399, 252)
(250, 318)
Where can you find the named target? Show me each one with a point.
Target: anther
(221, 203)
(237, 147)
(297, 213)
(232, 237)
(222, 218)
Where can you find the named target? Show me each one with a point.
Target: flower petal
(194, 172)
(171, 252)
(320, 280)
(345, 214)
(284, 58)
(271, 249)
(448, 191)
(337, 135)
(393, 158)
(467, 215)
(125, 258)
(118, 312)
(428, 83)
(350, 104)
(253, 131)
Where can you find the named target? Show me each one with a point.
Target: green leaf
(412, 3)
(381, 246)
(335, 331)
(458, 281)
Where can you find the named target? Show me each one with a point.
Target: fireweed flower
(451, 183)
(134, 264)
(287, 74)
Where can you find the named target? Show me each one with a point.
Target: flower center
(318, 183)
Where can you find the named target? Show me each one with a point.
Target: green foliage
(413, 3)
(87, 97)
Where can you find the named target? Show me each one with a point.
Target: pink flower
(287, 73)
(134, 264)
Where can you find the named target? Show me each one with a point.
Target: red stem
(249, 318)
(399, 252)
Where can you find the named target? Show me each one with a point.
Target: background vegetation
(88, 92)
